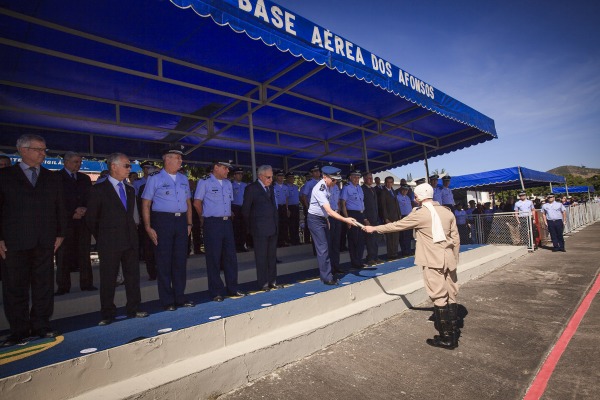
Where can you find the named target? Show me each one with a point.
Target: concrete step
(205, 360)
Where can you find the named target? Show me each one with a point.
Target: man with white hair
(437, 250)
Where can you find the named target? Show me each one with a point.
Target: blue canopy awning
(504, 179)
(573, 189)
(227, 79)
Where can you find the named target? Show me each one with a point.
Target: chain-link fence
(499, 228)
(508, 229)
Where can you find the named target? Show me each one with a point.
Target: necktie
(73, 176)
(267, 190)
(122, 194)
(34, 175)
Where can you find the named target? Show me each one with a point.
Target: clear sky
(532, 66)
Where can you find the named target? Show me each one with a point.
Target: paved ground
(515, 315)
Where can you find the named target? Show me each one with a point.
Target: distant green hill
(583, 172)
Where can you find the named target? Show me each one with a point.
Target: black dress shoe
(187, 303)
(89, 289)
(60, 292)
(218, 298)
(278, 261)
(138, 314)
(106, 321)
(170, 307)
(12, 340)
(237, 294)
(276, 286)
(563, 250)
(332, 282)
(46, 333)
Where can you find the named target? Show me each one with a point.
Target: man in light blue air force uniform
(352, 204)
(446, 193)
(239, 229)
(437, 191)
(318, 211)
(167, 215)
(555, 216)
(213, 202)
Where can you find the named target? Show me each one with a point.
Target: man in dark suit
(390, 211)
(32, 228)
(260, 213)
(371, 215)
(110, 218)
(378, 189)
(75, 250)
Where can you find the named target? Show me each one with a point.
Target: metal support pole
(426, 164)
(566, 187)
(365, 156)
(521, 178)
(252, 149)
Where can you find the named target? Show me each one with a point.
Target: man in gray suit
(260, 213)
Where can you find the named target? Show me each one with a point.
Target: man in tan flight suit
(436, 252)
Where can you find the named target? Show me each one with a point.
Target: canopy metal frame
(262, 94)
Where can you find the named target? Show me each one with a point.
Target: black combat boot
(457, 322)
(448, 338)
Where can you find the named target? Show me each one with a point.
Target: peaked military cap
(174, 149)
(224, 163)
(332, 172)
(147, 164)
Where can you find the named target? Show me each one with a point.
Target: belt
(179, 214)
(219, 218)
(559, 219)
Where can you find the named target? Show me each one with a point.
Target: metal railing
(581, 215)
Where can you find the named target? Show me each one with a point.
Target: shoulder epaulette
(154, 173)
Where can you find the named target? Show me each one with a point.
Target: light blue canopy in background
(573, 189)
(241, 80)
(505, 179)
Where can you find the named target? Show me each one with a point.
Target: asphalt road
(514, 317)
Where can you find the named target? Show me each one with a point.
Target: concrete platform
(215, 357)
(294, 259)
(516, 315)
